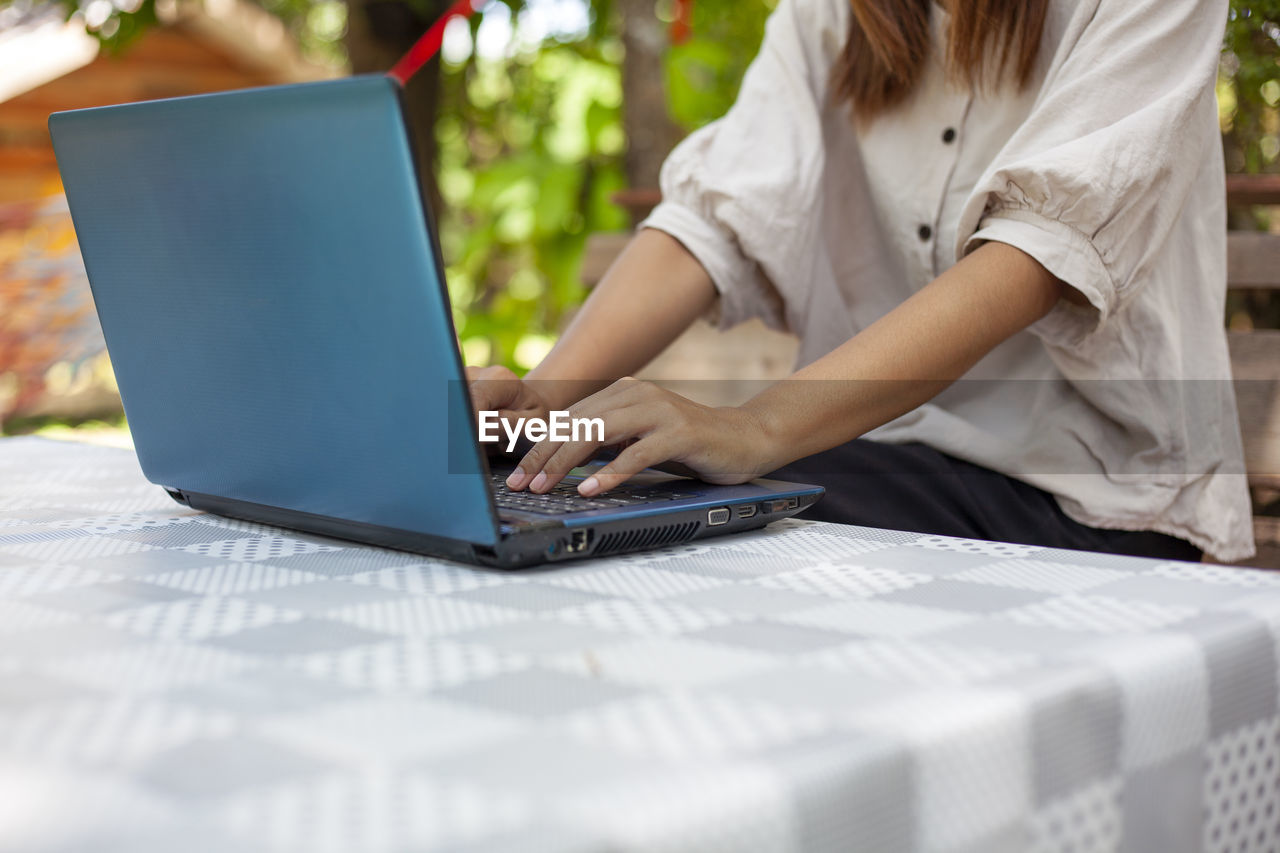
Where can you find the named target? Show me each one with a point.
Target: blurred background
(543, 123)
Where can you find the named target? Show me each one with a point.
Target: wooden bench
(754, 354)
(1253, 263)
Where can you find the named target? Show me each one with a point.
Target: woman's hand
(496, 389)
(719, 445)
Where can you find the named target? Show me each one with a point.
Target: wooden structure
(755, 355)
(52, 359)
(1253, 263)
(48, 65)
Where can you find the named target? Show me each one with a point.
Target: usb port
(745, 510)
(718, 516)
(780, 504)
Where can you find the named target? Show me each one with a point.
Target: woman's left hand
(719, 445)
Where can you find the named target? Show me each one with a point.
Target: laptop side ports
(718, 516)
(745, 510)
(578, 541)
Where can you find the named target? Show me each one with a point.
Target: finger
(496, 435)
(645, 453)
(564, 458)
(492, 388)
(549, 462)
(529, 468)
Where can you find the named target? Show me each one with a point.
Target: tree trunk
(379, 32)
(651, 134)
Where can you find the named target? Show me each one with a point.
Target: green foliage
(54, 426)
(316, 25)
(1249, 111)
(529, 151)
(319, 26)
(1249, 86)
(530, 145)
(703, 74)
(115, 25)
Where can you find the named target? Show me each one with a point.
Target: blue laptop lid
(271, 299)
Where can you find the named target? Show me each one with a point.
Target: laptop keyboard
(564, 498)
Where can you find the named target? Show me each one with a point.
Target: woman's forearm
(907, 356)
(892, 366)
(651, 294)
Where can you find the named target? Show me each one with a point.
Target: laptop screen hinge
(177, 495)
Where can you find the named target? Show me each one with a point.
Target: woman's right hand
(497, 389)
(651, 294)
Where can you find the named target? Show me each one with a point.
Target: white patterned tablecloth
(173, 681)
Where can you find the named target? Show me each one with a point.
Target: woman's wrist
(763, 443)
(795, 418)
(558, 393)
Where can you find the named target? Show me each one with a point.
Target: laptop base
(534, 543)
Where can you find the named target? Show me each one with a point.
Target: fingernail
(516, 478)
(589, 487)
(539, 481)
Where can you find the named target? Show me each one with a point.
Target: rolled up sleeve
(744, 291)
(740, 193)
(1094, 181)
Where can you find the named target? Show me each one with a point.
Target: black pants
(913, 487)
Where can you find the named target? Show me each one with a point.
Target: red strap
(682, 22)
(429, 43)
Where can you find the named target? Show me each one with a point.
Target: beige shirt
(1107, 168)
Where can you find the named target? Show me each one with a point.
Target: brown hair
(889, 43)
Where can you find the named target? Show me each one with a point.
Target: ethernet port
(578, 541)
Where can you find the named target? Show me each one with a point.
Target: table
(177, 681)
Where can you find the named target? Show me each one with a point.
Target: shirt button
(925, 232)
(949, 135)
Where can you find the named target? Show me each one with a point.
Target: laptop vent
(651, 537)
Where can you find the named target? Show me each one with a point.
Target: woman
(1027, 194)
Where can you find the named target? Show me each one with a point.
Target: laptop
(270, 287)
